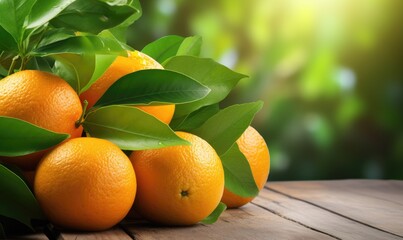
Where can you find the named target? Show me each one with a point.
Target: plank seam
(297, 222)
(331, 211)
(128, 232)
(52, 233)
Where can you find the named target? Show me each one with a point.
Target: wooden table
(344, 209)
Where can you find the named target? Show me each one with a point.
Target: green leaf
(163, 48)
(55, 35)
(136, 5)
(153, 86)
(19, 137)
(190, 46)
(17, 171)
(75, 69)
(66, 71)
(228, 125)
(82, 45)
(81, 71)
(102, 62)
(44, 10)
(213, 217)
(32, 38)
(194, 119)
(172, 45)
(215, 76)
(17, 201)
(13, 17)
(130, 128)
(108, 34)
(94, 16)
(7, 42)
(120, 31)
(238, 174)
(3, 72)
(38, 63)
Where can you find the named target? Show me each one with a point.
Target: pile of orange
(87, 183)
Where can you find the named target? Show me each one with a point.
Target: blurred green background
(329, 71)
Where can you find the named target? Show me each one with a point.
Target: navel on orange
(120, 67)
(85, 184)
(179, 185)
(43, 99)
(253, 146)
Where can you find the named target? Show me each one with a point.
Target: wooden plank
(248, 222)
(317, 218)
(115, 233)
(35, 236)
(375, 203)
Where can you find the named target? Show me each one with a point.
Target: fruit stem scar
(185, 193)
(81, 119)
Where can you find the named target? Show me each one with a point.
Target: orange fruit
(85, 184)
(43, 99)
(120, 67)
(179, 185)
(163, 112)
(253, 146)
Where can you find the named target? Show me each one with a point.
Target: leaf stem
(11, 69)
(24, 61)
(40, 38)
(81, 119)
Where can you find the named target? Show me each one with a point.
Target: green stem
(23, 63)
(81, 119)
(11, 69)
(41, 37)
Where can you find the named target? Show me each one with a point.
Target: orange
(85, 184)
(253, 146)
(43, 99)
(179, 185)
(163, 112)
(120, 67)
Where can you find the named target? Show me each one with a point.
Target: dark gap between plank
(127, 231)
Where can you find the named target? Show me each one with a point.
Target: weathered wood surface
(112, 234)
(249, 222)
(376, 204)
(343, 209)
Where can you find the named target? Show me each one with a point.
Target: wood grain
(35, 236)
(112, 234)
(343, 209)
(317, 218)
(377, 204)
(249, 222)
